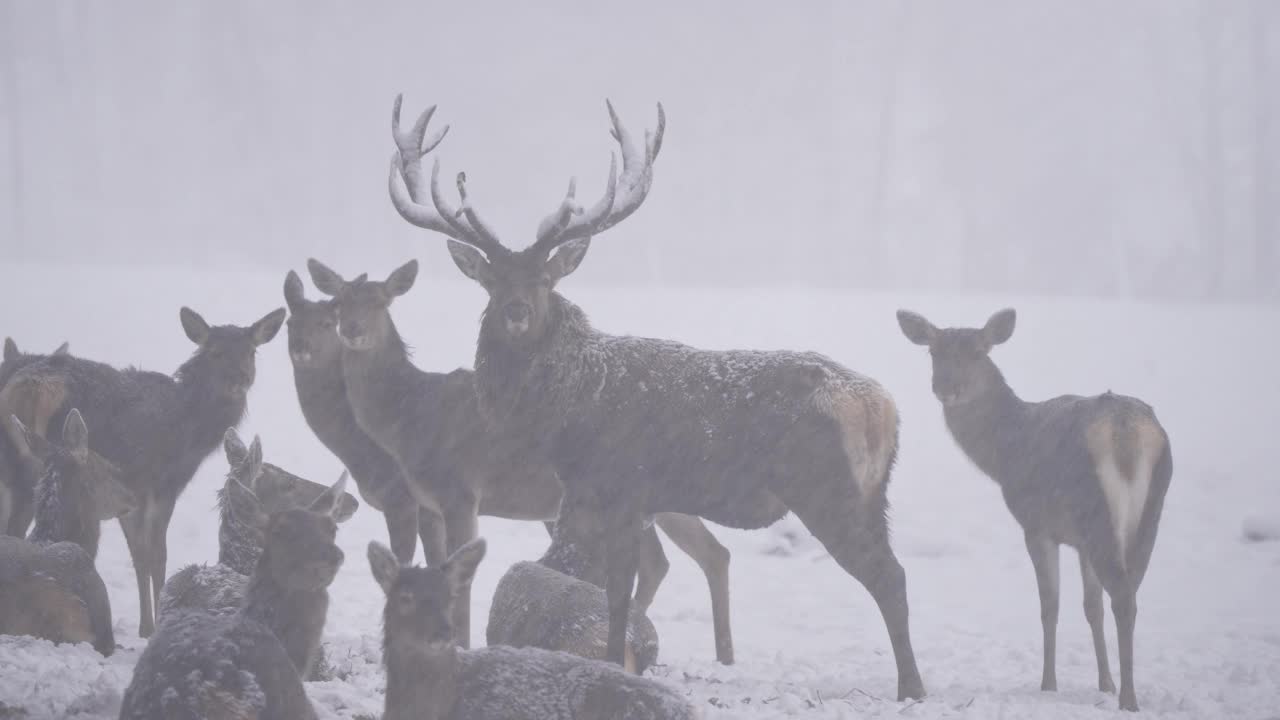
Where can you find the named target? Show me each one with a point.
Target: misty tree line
(1085, 147)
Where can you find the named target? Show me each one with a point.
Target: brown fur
(39, 606)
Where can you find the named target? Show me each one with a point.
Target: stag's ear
(916, 328)
(234, 447)
(327, 281)
(294, 293)
(75, 436)
(1000, 327)
(401, 279)
(461, 566)
(250, 466)
(385, 566)
(10, 349)
(63, 349)
(330, 500)
(196, 328)
(568, 258)
(471, 262)
(244, 505)
(266, 328)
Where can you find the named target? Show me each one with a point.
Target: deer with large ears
(454, 462)
(636, 426)
(157, 428)
(1087, 472)
(17, 494)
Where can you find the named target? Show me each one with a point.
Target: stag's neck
(62, 516)
(239, 544)
(206, 407)
(383, 378)
(540, 381)
(422, 683)
(990, 427)
(296, 617)
(322, 394)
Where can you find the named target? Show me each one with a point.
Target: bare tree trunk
(16, 199)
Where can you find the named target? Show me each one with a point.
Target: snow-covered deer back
(637, 426)
(428, 678)
(1088, 472)
(206, 666)
(156, 428)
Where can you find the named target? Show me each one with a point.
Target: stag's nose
(517, 311)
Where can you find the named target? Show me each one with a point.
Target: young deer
(558, 603)
(1088, 472)
(201, 665)
(636, 426)
(316, 353)
(17, 491)
(219, 589)
(430, 678)
(156, 428)
(431, 423)
(49, 587)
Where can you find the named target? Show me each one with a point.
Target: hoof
(1106, 685)
(1048, 686)
(1129, 703)
(911, 690)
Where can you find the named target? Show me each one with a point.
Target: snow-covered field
(809, 640)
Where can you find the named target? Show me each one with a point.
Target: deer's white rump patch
(1125, 451)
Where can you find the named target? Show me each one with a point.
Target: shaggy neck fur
(207, 406)
(422, 679)
(239, 543)
(64, 509)
(295, 616)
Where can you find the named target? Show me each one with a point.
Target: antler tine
(623, 196)
(405, 184)
(480, 226)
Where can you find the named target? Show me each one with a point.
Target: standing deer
(219, 589)
(201, 666)
(456, 466)
(1088, 472)
(156, 428)
(429, 678)
(49, 586)
(636, 426)
(17, 493)
(316, 353)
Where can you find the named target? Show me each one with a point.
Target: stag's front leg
(462, 526)
(158, 519)
(1044, 556)
(622, 561)
(132, 523)
(693, 537)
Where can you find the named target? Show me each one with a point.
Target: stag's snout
(355, 336)
(517, 314)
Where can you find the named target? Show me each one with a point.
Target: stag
(1087, 472)
(636, 426)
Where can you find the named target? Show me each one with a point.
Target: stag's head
(226, 354)
(962, 365)
(276, 489)
(364, 306)
(312, 327)
(419, 610)
(519, 283)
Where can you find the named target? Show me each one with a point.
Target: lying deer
(17, 491)
(638, 426)
(1088, 472)
(156, 428)
(49, 586)
(455, 465)
(201, 665)
(316, 354)
(219, 589)
(430, 678)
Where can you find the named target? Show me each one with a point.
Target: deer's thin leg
(157, 523)
(1093, 612)
(653, 568)
(622, 559)
(462, 527)
(692, 536)
(1044, 557)
(135, 537)
(402, 528)
(1125, 608)
(431, 528)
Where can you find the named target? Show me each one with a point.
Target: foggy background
(1057, 146)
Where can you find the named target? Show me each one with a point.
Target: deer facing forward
(1087, 472)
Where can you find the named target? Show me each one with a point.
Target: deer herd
(605, 438)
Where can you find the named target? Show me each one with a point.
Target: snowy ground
(809, 641)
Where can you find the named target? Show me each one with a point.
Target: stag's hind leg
(1093, 612)
(461, 527)
(653, 569)
(692, 536)
(855, 532)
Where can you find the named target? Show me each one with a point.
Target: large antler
(623, 195)
(408, 196)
